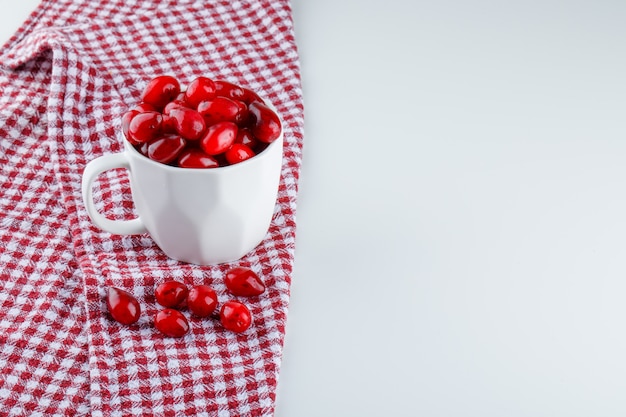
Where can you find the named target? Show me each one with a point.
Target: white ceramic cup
(198, 215)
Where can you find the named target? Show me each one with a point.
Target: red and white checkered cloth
(66, 77)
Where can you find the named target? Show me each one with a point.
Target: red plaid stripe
(69, 73)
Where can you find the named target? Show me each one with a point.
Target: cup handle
(91, 172)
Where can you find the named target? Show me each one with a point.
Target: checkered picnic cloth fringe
(66, 77)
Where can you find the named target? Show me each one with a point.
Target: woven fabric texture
(65, 79)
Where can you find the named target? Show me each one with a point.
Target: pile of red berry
(201, 300)
(210, 124)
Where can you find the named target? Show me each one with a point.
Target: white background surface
(461, 243)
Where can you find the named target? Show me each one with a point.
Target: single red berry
(166, 148)
(171, 294)
(243, 282)
(202, 300)
(196, 158)
(171, 323)
(144, 107)
(245, 137)
(218, 138)
(235, 316)
(126, 118)
(160, 91)
(187, 122)
(200, 89)
(266, 125)
(243, 116)
(142, 148)
(144, 127)
(168, 124)
(230, 90)
(222, 109)
(173, 105)
(250, 96)
(238, 152)
(123, 307)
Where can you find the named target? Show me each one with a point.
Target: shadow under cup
(197, 215)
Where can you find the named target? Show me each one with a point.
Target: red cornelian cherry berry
(168, 124)
(243, 282)
(266, 125)
(171, 323)
(160, 91)
(196, 158)
(245, 137)
(165, 149)
(202, 300)
(230, 90)
(171, 294)
(238, 152)
(123, 307)
(243, 116)
(143, 149)
(235, 316)
(188, 123)
(218, 138)
(222, 109)
(144, 127)
(250, 97)
(144, 107)
(176, 103)
(126, 118)
(200, 89)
